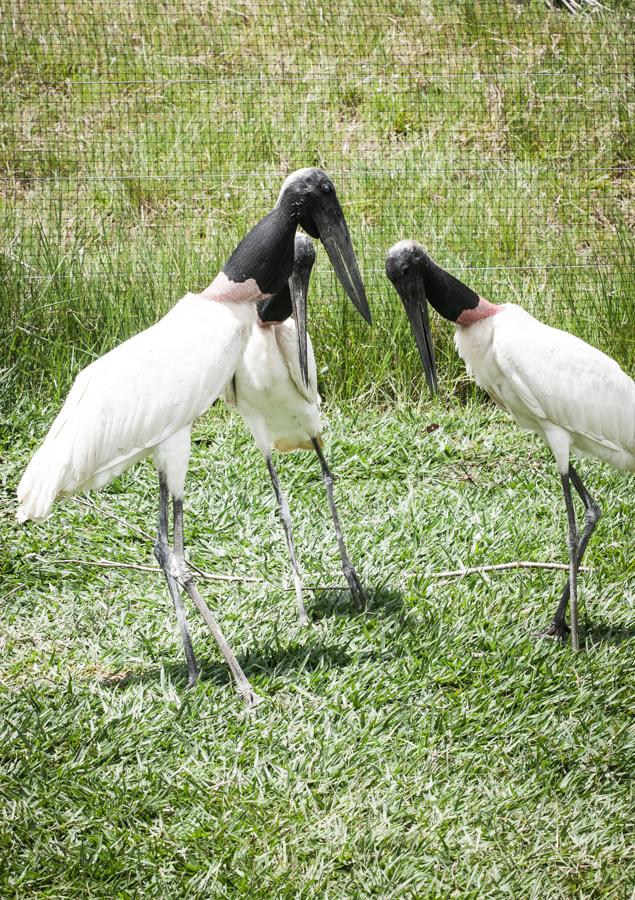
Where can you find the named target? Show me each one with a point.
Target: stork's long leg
(593, 513)
(243, 686)
(350, 574)
(163, 555)
(285, 515)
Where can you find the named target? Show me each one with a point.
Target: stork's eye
(405, 268)
(326, 187)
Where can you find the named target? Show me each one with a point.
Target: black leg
(573, 559)
(593, 513)
(350, 574)
(285, 515)
(164, 557)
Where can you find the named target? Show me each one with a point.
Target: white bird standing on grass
(577, 399)
(141, 398)
(281, 407)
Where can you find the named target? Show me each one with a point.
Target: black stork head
(291, 300)
(263, 261)
(406, 266)
(308, 198)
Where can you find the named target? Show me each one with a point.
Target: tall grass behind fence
(139, 140)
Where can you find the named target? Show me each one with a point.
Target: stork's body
(576, 398)
(269, 392)
(139, 399)
(142, 398)
(281, 410)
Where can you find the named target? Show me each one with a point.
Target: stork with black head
(141, 398)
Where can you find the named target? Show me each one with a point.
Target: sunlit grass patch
(430, 745)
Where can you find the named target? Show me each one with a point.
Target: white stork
(281, 409)
(576, 398)
(141, 398)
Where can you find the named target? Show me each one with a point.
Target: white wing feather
(133, 398)
(548, 378)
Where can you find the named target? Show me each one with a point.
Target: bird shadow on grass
(381, 602)
(304, 654)
(598, 633)
(273, 659)
(172, 670)
(306, 651)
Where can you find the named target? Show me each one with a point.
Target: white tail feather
(42, 482)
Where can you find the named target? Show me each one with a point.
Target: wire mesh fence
(139, 140)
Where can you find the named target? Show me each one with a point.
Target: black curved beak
(333, 230)
(299, 289)
(411, 289)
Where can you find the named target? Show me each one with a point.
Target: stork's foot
(303, 620)
(193, 677)
(251, 698)
(355, 586)
(556, 631)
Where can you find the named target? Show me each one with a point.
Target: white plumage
(577, 399)
(269, 392)
(139, 399)
(142, 397)
(572, 395)
(281, 411)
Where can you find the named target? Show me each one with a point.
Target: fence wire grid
(139, 140)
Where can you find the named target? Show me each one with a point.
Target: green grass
(140, 141)
(427, 747)
(430, 746)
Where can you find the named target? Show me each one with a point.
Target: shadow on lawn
(598, 633)
(382, 602)
(305, 652)
(271, 659)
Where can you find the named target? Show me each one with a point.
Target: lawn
(141, 139)
(429, 746)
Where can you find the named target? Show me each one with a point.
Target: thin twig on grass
(218, 576)
(138, 567)
(137, 530)
(111, 515)
(501, 567)
(107, 564)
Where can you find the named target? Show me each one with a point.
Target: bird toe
(556, 631)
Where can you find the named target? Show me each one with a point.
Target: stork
(576, 398)
(142, 397)
(280, 405)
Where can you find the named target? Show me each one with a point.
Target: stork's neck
(454, 300)
(261, 263)
(224, 290)
(483, 310)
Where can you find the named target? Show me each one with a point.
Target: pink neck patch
(224, 290)
(484, 310)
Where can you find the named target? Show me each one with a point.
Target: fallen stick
(137, 530)
(106, 564)
(111, 515)
(501, 567)
(209, 576)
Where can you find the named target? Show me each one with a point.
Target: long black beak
(333, 231)
(413, 296)
(299, 288)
